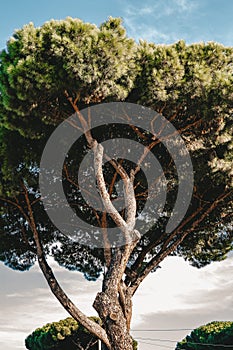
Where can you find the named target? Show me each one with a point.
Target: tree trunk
(114, 321)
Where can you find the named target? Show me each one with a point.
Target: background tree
(65, 334)
(62, 335)
(48, 73)
(212, 333)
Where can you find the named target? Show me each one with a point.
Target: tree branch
(56, 289)
(167, 249)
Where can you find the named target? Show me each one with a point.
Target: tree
(61, 335)
(65, 334)
(47, 74)
(213, 333)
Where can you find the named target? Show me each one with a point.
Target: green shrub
(212, 333)
(62, 335)
(66, 334)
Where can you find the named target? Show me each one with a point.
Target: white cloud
(182, 297)
(177, 285)
(176, 296)
(185, 5)
(148, 32)
(26, 301)
(160, 22)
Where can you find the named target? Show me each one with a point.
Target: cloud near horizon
(176, 296)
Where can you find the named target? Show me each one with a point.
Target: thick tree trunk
(114, 321)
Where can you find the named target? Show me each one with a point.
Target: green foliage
(63, 335)
(41, 63)
(60, 335)
(212, 333)
(191, 85)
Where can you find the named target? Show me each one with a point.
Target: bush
(66, 334)
(212, 333)
(62, 335)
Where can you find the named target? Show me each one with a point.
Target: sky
(177, 295)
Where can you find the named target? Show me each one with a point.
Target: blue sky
(161, 21)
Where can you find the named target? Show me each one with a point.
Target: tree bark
(115, 323)
(114, 304)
